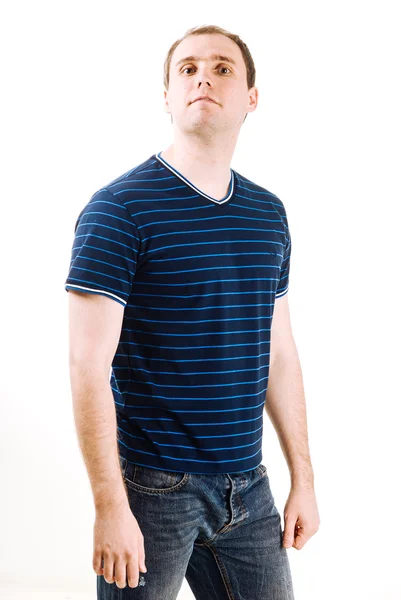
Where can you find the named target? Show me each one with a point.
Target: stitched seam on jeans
(244, 510)
(138, 487)
(223, 573)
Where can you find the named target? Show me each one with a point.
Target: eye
(222, 67)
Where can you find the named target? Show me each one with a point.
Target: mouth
(204, 100)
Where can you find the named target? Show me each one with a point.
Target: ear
(253, 99)
(166, 104)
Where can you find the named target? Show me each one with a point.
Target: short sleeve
(282, 287)
(105, 249)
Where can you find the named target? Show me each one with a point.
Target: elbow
(88, 368)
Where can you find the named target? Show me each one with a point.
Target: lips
(206, 99)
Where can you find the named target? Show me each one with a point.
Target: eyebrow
(212, 57)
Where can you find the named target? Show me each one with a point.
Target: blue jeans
(222, 532)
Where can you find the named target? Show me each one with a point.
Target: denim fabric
(222, 532)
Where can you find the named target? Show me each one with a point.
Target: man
(176, 268)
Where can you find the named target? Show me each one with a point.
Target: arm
(285, 405)
(94, 329)
(285, 400)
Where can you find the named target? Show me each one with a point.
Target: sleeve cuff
(81, 288)
(279, 294)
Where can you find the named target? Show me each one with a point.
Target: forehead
(207, 47)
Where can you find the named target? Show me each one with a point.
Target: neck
(206, 166)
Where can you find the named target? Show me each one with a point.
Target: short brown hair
(204, 29)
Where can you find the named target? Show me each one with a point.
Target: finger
(141, 561)
(288, 536)
(97, 562)
(120, 573)
(133, 572)
(300, 539)
(108, 569)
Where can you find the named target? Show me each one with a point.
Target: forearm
(285, 405)
(95, 420)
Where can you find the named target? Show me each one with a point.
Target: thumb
(288, 537)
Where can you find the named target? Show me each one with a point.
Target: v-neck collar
(191, 185)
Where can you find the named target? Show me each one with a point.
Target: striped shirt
(198, 278)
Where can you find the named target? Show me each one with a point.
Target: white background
(82, 103)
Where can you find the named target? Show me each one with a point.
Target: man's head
(209, 61)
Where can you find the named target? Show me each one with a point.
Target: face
(221, 77)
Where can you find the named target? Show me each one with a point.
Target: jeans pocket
(153, 481)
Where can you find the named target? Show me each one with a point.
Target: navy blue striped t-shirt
(198, 279)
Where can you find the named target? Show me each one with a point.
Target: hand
(118, 540)
(301, 517)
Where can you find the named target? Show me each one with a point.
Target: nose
(203, 77)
